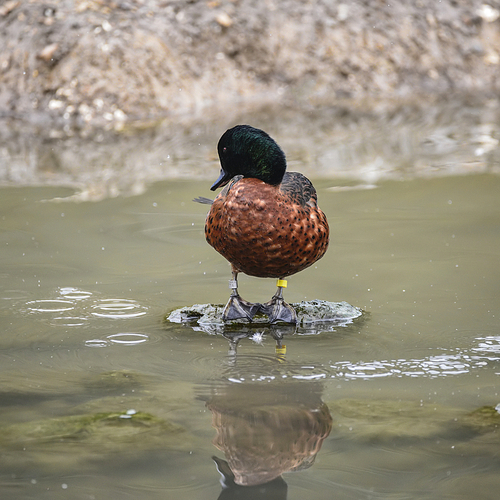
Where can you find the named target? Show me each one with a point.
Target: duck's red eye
(224, 150)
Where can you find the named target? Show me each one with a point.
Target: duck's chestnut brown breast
(266, 231)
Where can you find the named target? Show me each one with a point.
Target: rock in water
(313, 316)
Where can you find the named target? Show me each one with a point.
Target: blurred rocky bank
(97, 61)
(83, 67)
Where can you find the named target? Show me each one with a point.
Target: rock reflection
(265, 431)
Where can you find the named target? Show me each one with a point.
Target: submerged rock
(484, 419)
(385, 420)
(115, 380)
(472, 433)
(110, 431)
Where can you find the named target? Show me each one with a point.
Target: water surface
(382, 404)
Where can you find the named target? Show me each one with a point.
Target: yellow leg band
(281, 350)
(281, 283)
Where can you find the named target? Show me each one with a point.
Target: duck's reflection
(277, 332)
(266, 430)
(273, 490)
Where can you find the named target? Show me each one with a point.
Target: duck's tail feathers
(203, 200)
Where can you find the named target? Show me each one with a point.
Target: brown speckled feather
(269, 231)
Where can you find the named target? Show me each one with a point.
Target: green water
(83, 291)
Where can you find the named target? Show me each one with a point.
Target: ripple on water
(96, 343)
(488, 345)
(13, 295)
(68, 321)
(65, 299)
(49, 305)
(251, 368)
(183, 234)
(431, 367)
(118, 309)
(128, 338)
(73, 307)
(124, 338)
(76, 294)
(57, 312)
(261, 368)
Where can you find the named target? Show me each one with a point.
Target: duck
(265, 222)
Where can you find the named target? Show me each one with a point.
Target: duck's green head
(248, 151)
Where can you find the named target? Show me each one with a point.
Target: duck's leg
(277, 309)
(236, 307)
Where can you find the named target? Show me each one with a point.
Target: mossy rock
(313, 316)
(116, 380)
(484, 419)
(379, 420)
(111, 431)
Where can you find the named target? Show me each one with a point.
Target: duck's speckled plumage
(268, 231)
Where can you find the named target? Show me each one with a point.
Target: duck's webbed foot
(236, 307)
(277, 309)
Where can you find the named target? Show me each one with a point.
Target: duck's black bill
(223, 179)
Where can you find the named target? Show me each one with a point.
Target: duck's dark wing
(299, 189)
